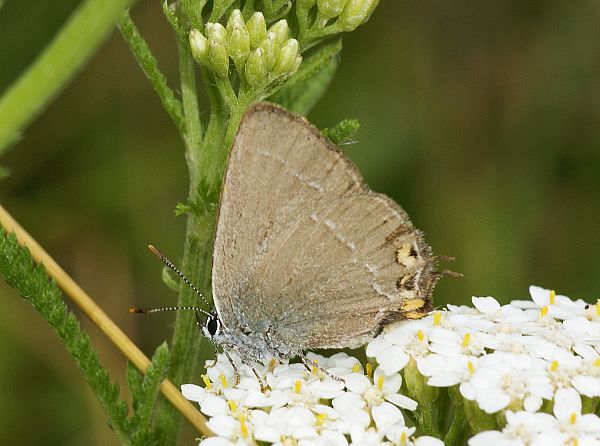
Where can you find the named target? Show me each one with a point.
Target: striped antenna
(170, 264)
(159, 309)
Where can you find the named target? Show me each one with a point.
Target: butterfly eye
(212, 325)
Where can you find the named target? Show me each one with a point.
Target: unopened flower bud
(238, 40)
(217, 32)
(235, 19)
(256, 70)
(281, 32)
(239, 45)
(329, 9)
(257, 29)
(270, 50)
(287, 59)
(356, 13)
(199, 46)
(218, 58)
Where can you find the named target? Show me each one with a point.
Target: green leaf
(34, 285)
(134, 382)
(145, 397)
(64, 56)
(343, 132)
(149, 66)
(302, 91)
(174, 22)
(193, 10)
(170, 279)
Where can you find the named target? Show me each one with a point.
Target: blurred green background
(481, 118)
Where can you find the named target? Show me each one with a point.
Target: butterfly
(306, 256)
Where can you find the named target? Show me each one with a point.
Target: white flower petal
(447, 379)
(402, 401)
(213, 405)
(216, 441)
(532, 403)
(348, 400)
(333, 438)
(493, 400)
(426, 440)
(267, 433)
(585, 351)
(486, 438)
(586, 385)
(391, 383)
(428, 365)
(357, 382)
(392, 359)
(589, 423)
(566, 402)
(376, 345)
(541, 296)
(223, 425)
(193, 392)
(385, 416)
(486, 305)
(468, 391)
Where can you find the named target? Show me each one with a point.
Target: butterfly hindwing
(303, 249)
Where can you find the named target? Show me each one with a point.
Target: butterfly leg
(235, 370)
(261, 380)
(213, 362)
(310, 364)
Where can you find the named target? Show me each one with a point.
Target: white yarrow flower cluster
(533, 363)
(304, 407)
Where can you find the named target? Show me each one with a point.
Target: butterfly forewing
(303, 249)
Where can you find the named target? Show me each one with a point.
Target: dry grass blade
(99, 317)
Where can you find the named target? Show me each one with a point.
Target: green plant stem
(149, 66)
(425, 417)
(244, 100)
(199, 235)
(191, 112)
(460, 427)
(74, 44)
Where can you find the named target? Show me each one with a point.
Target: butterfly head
(212, 326)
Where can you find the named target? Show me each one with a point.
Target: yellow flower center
(380, 383)
(321, 419)
(243, 427)
(356, 368)
(552, 297)
(223, 381)
(315, 368)
(466, 339)
(207, 382)
(369, 369)
(232, 406)
(471, 367)
(544, 311)
(420, 335)
(437, 318)
(554, 366)
(297, 386)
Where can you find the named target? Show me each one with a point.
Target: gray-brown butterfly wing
(303, 249)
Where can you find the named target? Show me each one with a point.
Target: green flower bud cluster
(261, 56)
(333, 16)
(354, 12)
